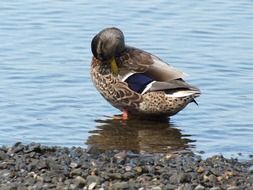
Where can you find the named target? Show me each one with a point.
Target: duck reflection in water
(138, 136)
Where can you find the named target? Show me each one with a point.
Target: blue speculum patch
(137, 82)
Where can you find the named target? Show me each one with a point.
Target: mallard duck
(137, 82)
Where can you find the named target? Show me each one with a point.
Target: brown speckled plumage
(161, 98)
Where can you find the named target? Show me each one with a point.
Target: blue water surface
(46, 94)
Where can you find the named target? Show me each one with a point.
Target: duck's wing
(139, 61)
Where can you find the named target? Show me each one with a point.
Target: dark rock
(79, 181)
(184, 177)
(33, 147)
(17, 148)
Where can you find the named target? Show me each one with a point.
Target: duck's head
(107, 44)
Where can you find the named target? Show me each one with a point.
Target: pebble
(199, 187)
(80, 181)
(92, 185)
(34, 166)
(120, 185)
(73, 165)
(215, 188)
(92, 179)
(233, 188)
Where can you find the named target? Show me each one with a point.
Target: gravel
(35, 166)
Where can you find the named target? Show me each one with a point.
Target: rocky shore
(35, 166)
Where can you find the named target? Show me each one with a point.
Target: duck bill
(114, 67)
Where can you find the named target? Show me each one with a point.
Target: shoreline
(35, 166)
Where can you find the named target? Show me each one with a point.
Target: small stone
(73, 165)
(138, 169)
(156, 188)
(215, 188)
(200, 170)
(92, 185)
(205, 178)
(174, 179)
(121, 155)
(120, 185)
(169, 187)
(128, 175)
(18, 147)
(183, 178)
(33, 147)
(80, 182)
(250, 169)
(127, 168)
(47, 179)
(233, 188)
(42, 164)
(115, 175)
(212, 178)
(199, 187)
(3, 155)
(185, 186)
(92, 179)
(77, 171)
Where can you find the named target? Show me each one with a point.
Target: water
(46, 94)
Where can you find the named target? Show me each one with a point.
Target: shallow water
(46, 94)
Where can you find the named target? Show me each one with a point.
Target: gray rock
(115, 175)
(128, 175)
(77, 171)
(3, 155)
(183, 177)
(93, 179)
(17, 148)
(120, 185)
(185, 186)
(169, 187)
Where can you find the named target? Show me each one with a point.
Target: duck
(137, 82)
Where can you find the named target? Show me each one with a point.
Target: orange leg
(123, 117)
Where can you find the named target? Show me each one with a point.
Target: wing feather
(136, 60)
